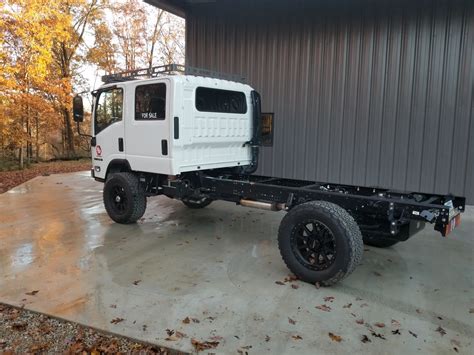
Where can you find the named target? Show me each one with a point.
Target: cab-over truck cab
(171, 125)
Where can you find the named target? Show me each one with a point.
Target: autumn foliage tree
(45, 46)
(146, 35)
(42, 48)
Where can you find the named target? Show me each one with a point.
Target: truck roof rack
(168, 69)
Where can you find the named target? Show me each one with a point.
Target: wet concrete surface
(219, 265)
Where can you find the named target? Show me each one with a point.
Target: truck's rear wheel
(124, 198)
(320, 242)
(198, 203)
(378, 241)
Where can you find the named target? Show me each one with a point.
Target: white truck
(194, 135)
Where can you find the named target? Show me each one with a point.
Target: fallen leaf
(377, 335)
(415, 335)
(136, 282)
(441, 331)
(324, 308)
(295, 286)
(195, 320)
(203, 345)
(32, 293)
(359, 321)
(38, 348)
(365, 339)
(267, 338)
(335, 337)
(174, 335)
(19, 326)
(395, 323)
(349, 305)
(296, 337)
(279, 283)
(117, 320)
(113, 306)
(380, 325)
(328, 299)
(186, 320)
(291, 321)
(291, 278)
(396, 332)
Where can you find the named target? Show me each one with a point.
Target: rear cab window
(218, 100)
(150, 102)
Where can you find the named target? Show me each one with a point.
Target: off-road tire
(378, 241)
(197, 204)
(346, 234)
(128, 186)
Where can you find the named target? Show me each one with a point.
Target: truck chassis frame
(393, 213)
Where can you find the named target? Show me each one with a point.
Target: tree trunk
(37, 147)
(69, 134)
(20, 157)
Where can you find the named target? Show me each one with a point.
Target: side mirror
(266, 126)
(77, 109)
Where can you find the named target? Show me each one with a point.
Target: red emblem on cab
(98, 150)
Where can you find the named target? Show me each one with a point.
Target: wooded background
(50, 49)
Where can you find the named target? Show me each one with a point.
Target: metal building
(369, 92)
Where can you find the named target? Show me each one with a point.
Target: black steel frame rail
(396, 205)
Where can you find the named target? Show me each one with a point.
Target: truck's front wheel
(124, 198)
(320, 242)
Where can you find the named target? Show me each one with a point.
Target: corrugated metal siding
(366, 95)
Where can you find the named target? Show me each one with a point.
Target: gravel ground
(23, 331)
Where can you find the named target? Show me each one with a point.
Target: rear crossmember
(395, 214)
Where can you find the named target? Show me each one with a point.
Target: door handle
(120, 144)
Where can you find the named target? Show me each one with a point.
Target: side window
(217, 100)
(108, 109)
(150, 102)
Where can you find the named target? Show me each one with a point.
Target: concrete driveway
(219, 266)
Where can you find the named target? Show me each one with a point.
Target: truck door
(148, 129)
(108, 141)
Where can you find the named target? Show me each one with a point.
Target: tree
(28, 30)
(42, 49)
(146, 35)
(70, 54)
